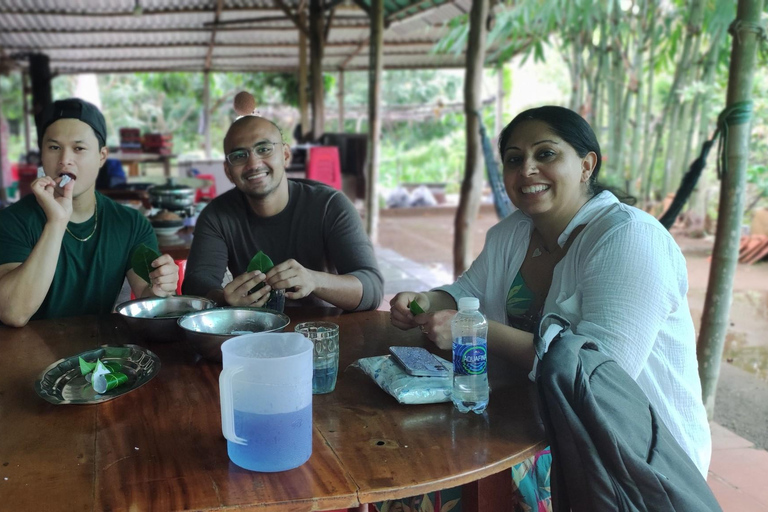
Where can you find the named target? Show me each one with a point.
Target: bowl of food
(207, 330)
(156, 318)
(166, 223)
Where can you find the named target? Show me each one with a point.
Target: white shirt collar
(586, 213)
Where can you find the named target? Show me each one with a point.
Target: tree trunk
(376, 66)
(701, 102)
(598, 79)
(637, 76)
(671, 105)
(644, 170)
(471, 187)
(714, 319)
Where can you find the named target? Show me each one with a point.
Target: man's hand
(165, 278)
(399, 313)
(237, 292)
(55, 201)
(291, 275)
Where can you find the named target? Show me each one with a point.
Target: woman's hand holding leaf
(401, 314)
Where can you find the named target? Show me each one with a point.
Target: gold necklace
(95, 224)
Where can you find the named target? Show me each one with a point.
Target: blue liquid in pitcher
(276, 442)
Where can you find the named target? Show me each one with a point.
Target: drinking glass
(325, 367)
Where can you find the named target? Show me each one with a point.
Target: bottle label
(469, 356)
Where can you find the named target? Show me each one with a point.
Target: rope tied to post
(738, 113)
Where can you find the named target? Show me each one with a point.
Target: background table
(160, 447)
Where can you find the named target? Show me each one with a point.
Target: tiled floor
(738, 472)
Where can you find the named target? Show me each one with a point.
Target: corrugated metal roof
(251, 35)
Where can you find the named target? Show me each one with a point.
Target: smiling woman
(572, 248)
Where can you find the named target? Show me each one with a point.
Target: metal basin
(155, 319)
(207, 330)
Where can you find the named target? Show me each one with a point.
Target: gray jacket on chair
(610, 450)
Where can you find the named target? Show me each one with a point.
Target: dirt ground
(426, 236)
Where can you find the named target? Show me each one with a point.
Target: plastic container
(469, 331)
(266, 400)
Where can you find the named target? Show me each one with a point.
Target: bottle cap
(469, 303)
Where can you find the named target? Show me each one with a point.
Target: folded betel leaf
(103, 383)
(260, 262)
(263, 264)
(85, 366)
(141, 261)
(415, 308)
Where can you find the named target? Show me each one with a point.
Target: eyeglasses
(262, 150)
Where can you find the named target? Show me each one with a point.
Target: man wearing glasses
(311, 232)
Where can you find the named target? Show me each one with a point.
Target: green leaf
(85, 366)
(260, 262)
(142, 259)
(415, 308)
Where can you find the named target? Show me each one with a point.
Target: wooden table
(160, 447)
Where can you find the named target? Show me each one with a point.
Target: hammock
(500, 199)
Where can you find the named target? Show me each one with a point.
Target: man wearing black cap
(64, 251)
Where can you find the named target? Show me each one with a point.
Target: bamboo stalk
(714, 320)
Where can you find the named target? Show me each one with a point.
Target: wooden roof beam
(25, 48)
(293, 17)
(393, 16)
(212, 43)
(100, 30)
(121, 14)
(355, 53)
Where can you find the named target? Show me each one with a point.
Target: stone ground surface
(415, 252)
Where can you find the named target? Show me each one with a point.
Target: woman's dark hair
(573, 129)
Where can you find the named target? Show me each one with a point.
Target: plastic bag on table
(407, 389)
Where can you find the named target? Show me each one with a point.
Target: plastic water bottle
(469, 331)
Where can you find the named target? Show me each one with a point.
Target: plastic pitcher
(266, 400)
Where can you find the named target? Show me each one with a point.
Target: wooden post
(376, 66)
(316, 43)
(25, 106)
(303, 105)
(471, 187)
(341, 101)
(717, 305)
(207, 113)
(40, 77)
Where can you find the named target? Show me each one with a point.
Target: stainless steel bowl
(207, 330)
(155, 319)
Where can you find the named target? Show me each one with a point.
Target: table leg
(492, 493)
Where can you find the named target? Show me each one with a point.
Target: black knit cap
(72, 108)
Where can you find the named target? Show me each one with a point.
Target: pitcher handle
(227, 397)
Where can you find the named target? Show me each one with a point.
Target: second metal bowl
(207, 330)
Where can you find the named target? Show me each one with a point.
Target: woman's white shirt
(622, 283)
